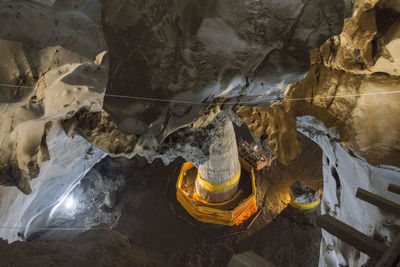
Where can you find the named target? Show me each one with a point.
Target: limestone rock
(202, 51)
(169, 51)
(302, 193)
(352, 86)
(110, 199)
(46, 63)
(98, 128)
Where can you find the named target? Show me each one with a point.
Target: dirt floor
(154, 230)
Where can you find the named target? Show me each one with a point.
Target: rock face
(107, 247)
(353, 89)
(198, 51)
(58, 176)
(302, 193)
(52, 63)
(47, 64)
(156, 50)
(205, 56)
(93, 201)
(99, 129)
(343, 174)
(352, 85)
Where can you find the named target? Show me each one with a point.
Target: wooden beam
(351, 236)
(378, 201)
(394, 188)
(392, 255)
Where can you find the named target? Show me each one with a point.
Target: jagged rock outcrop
(343, 174)
(352, 95)
(171, 52)
(226, 51)
(98, 128)
(155, 50)
(276, 126)
(352, 85)
(46, 70)
(70, 159)
(200, 51)
(52, 63)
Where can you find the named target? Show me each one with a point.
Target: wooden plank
(378, 201)
(394, 188)
(248, 259)
(351, 236)
(391, 255)
(254, 219)
(252, 163)
(245, 164)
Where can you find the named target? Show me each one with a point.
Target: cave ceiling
(85, 66)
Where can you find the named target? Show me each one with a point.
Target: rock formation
(178, 57)
(223, 165)
(52, 64)
(80, 79)
(207, 51)
(46, 70)
(352, 86)
(353, 89)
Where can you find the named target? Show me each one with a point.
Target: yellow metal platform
(215, 212)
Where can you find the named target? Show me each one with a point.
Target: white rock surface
(70, 160)
(55, 60)
(184, 50)
(343, 175)
(58, 59)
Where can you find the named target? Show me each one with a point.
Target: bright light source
(69, 202)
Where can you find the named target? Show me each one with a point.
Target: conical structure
(218, 178)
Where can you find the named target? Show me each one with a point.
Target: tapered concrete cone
(218, 179)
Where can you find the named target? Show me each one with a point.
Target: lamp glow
(69, 202)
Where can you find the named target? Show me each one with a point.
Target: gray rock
(199, 51)
(302, 193)
(110, 199)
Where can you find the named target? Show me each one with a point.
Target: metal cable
(231, 103)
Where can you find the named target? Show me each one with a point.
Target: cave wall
(175, 52)
(58, 64)
(343, 174)
(52, 56)
(54, 63)
(351, 93)
(352, 85)
(203, 50)
(56, 179)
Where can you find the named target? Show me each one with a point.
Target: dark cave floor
(154, 230)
